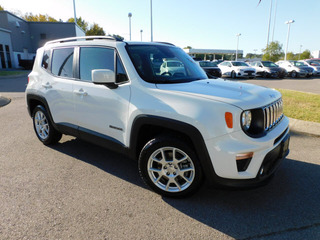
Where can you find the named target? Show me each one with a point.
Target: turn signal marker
(229, 119)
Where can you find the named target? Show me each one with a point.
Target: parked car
(235, 69)
(313, 64)
(181, 130)
(211, 68)
(268, 69)
(296, 69)
(172, 67)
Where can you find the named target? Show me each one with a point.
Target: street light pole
(130, 15)
(269, 22)
(238, 35)
(300, 51)
(74, 11)
(151, 20)
(141, 34)
(289, 24)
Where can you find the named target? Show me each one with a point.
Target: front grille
(273, 114)
(248, 71)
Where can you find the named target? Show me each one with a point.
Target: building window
(43, 36)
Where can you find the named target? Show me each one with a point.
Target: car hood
(243, 95)
(244, 68)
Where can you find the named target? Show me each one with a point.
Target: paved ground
(76, 190)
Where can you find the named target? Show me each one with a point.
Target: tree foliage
(117, 37)
(1, 8)
(273, 52)
(187, 47)
(95, 30)
(38, 18)
(305, 55)
(81, 23)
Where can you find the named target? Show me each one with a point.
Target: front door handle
(80, 92)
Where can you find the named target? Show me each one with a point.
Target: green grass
(299, 105)
(11, 73)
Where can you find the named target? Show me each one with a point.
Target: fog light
(243, 161)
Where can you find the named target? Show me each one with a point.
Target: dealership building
(20, 39)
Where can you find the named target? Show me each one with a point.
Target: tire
(233, 75)
(170, 167)
(264, 75)
(43, 127)
(294, 74)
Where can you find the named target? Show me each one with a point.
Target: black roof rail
(84, 38)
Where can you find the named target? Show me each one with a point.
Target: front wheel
(233, 75)
(43, 127)
(170, 167)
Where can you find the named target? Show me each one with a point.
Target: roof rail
(84, 38)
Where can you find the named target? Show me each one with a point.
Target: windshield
(298, 64)
(239, 64)
(313, 63)
(164, 64)
(208, 64)
(269, 64)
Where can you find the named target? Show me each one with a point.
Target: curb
(305, 127)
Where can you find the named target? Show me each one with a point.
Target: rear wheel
(43, 127)
(170, 167)
(294, 74)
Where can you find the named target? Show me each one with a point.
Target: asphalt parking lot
(75, 190)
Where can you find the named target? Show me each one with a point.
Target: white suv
(182, 128)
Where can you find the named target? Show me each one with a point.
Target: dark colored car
(268, 69)
(211, 68)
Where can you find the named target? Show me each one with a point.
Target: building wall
(42, 32)
(23, 38)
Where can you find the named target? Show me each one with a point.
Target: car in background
(236, 69)
(268, 69)
(313, 64)
(296, 69)
(211, 68)
(172, 67)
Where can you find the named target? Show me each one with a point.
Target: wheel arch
(145, 127)
(35, 100)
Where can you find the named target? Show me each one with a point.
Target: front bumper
(268, 153)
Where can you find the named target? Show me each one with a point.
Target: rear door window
(62, 62)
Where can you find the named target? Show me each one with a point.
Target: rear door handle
(80, 92)
(47, 85)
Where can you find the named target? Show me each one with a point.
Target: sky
(209, 24)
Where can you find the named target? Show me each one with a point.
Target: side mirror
(105, 77)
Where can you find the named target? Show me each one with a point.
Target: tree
(95, 30)
(291, 56)
(38, 18)
(1, 8)
(187, 47)
(118, 37)
(273, 52)
(81, 23)
(305, 55)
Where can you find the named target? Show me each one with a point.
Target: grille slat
(273, 113)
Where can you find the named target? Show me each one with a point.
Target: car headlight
(246, 119)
